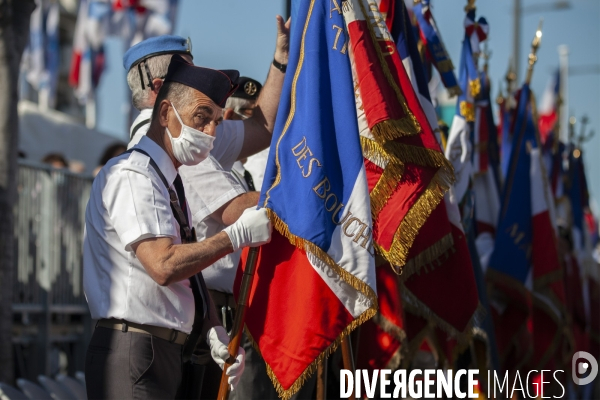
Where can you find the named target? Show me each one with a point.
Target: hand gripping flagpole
(534, 47)
(238, 322)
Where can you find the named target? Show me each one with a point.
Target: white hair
(158, 66)
(181, 96)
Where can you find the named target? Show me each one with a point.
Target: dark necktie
(199, 289)
(249, 180)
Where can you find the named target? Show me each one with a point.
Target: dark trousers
(131, 365)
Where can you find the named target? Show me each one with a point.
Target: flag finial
(535, 44)
(470, 5)
(500, 98)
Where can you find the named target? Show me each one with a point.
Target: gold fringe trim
(493, 276)
(445, 65)
(395, 361)
(475, 87)
(389, 327)
(412, 124)
(421, 156)
(551, 350)
(374, 151)
(547, 279)
(350, 279)
(454, 91)
(310, 247)
(404, 153)
(286, 394)
(426, 259)
(415, 343)
(391, 129)
(413, 304)
(467, 110)
(413, 221)
(388, 182)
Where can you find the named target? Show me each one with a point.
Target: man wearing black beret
(141, 261)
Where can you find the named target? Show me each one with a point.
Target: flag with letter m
(315, 281)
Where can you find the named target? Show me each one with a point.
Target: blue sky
(241, 35)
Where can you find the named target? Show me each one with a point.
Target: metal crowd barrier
(51, 319)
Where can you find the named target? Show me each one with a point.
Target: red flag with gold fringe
(408, 176)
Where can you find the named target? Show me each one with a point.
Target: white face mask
(192, 146)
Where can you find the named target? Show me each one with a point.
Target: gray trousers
(131, 365)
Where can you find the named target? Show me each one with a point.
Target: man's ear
(157, 82)
(163, 113)
(228, 113)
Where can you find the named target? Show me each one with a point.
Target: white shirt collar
(160, 157)
(145, 114)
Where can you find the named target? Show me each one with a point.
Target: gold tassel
(475, 87)
(467, 110)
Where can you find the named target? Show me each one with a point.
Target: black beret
(248, 88)
(218, 85)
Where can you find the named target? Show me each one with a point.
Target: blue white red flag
(524, 269)
(41, 58)
(486, 179)
(315, 281)
(435, 50)
(459, 149)
(409, 53)
(132, 20)
(548, 108)
(439, 252)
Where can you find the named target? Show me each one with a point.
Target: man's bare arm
(231, 211)
(167, 263)
(259, 129)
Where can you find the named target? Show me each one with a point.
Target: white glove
(253, 228)
(218, 340)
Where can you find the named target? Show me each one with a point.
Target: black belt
(170, 335)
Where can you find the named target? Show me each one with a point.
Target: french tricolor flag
(315, 281)
(524, 268)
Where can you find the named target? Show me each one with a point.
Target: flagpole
(322, 380)
(348, 360)
(534, 47)
(238, 322)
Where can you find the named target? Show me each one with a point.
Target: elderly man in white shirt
(215, 197)
(141, 260)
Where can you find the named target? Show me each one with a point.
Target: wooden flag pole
(322, 380)
(238, 322)
(348, 360)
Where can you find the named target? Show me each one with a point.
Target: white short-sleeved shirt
(210, 185)
(208, 188)
(129, 202)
